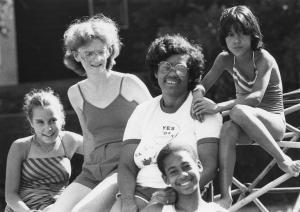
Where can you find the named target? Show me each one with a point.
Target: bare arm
(265, 66)
(220, 64)
(73, 142)
(127, 173)
(13, 176)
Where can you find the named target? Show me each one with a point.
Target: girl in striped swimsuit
(257, 112)
(38, 166)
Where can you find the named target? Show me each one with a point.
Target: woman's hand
(165, 197)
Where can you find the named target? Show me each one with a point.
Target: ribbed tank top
(107, 124)
(272, 100)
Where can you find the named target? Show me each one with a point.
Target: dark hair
(243, 21)
(169, 45)
(42, 98)
(83, 31)
(172, 148)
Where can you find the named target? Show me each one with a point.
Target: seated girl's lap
(274, 123)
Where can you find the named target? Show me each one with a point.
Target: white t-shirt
(156, 128)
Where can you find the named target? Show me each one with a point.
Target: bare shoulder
(224, 60)
(132, 80)
(225, 57)
(133, 88)
(72, 141)
(264, 60)
(74, 94)
(20, 146)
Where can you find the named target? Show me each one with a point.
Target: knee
(239, 113)
(229, 133)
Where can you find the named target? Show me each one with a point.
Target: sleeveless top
(43, 180)
(272, 100)
(107, 124)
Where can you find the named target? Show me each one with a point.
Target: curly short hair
(168, 45)
(83, 31)
(243, 21)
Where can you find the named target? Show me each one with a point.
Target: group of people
(136, 147)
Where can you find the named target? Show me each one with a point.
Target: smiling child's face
(182, 172)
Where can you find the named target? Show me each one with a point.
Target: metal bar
(297, 205)
(260, 206)
(260, 192)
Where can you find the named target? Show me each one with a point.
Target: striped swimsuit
(272, 100)
(43, 180)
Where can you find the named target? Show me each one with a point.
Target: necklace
(42, 146)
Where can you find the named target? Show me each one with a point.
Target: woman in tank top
(257, 112)
(103, 103)
(38, 166)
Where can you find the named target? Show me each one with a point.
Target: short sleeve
(134, 123)
(210, 128)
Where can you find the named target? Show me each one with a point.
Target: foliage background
(198, 21)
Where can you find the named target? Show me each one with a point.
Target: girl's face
(182, 172)
(46, 123)
(238, 43)
(93, 56)
(173, 75)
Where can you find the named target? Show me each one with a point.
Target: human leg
(230, 134)
(101, 198)
(70, 197)
(208, 155)
(264, 127)
(142, 197)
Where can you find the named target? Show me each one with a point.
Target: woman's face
(173, 75)
(93, 56)
(46, 122)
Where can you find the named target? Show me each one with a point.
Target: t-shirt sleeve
(134, 123)
(210, 128)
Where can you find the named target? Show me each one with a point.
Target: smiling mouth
(49, 136)
(171, 82)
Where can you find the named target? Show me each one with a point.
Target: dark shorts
(104, 162)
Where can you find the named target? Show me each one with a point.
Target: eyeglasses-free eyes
(165, 67)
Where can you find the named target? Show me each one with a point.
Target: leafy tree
(198, 21)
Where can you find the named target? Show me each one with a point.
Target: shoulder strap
(80, 91)
(64, 148)
(253, 59)
(121, 83)
(28, 147)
